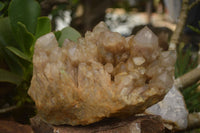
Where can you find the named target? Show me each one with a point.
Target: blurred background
(120, 15)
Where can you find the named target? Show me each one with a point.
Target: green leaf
(24, 11)
(189, 89)
(28, 72)
(7, 39)
(11, 59)
(9, 77)
(25, 39)
(194, 29)
(43, 26)
(6, 33)
(1, 5)
(185, 62)
(57, 34)
(19, 53)
(68, 33)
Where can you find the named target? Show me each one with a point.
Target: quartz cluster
(102, 75)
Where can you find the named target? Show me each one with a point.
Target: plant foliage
(17, 37)
(194, 28)
(18, 33)
(186, 61)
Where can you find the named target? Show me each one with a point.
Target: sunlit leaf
(43, 26)
(19, 53)
(6, 76)
(26, 12)
(68, 33)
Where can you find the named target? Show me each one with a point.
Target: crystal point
(146, 38)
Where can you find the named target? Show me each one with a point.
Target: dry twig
(188, 78)
(179, 28)
(5, 110)
(193, 4)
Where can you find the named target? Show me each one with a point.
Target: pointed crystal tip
(146, 38)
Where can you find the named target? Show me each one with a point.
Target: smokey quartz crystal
(102, 75)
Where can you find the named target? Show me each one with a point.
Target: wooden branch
(193, 4)
(180, 25)
(188, 78)
(194, 75)
(5, 110)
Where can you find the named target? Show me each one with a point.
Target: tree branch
(179, 28)
(188, 78)
(193, 4)
(5, 110)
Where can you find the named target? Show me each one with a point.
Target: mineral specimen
(102, 75)
(172, 109)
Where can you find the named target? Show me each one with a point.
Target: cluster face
(102, 75)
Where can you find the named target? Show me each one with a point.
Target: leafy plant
(191, 95)
(186, 60)
(18, 33)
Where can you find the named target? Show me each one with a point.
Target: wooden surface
(14, 127)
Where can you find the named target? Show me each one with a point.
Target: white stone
(172, 109)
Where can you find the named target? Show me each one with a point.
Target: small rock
(172, 109)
